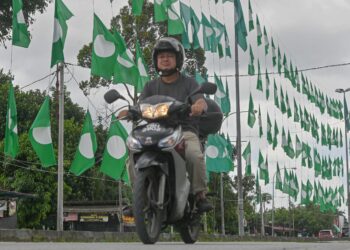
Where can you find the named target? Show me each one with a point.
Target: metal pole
(120, 194)
(347, 165)
(60, 168)
(262, 215)
(222, 205)
(238, 143)
(273, 205)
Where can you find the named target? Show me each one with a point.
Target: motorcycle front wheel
(148, 218)
(189, 231)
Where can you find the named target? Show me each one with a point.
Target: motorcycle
(161, 186)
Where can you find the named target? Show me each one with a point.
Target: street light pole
(346, 153)
(273, 201)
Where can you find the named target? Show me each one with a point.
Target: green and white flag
(283, 104)
(251, 69)
(227, 44)
(220, 95)
(85, 155)
(217, 159)
(298, 147)
(258, 30)
(175, 25)
(317, 163)
(296, 112)
(11, 133)
(199, 78)
(142, 67)
(115, 153)
(275, 94)
(273, 53)
(240, 28)
(346, 116)
(226, 103)
(247, 156)
(251, 21)
(160, 11)
(260, 123)
(208, 34)
(285, 67)
(40, 135)
(289, 110)
(266, 41)
(251, 112)
(279, 184)
(195, 24)
(264, 172)
(20, 34)
(289, 149)
(279, 61)
(284, 140)
(269, 130)
(304, 195)
(137, 7)
(219, 29)
(185, 14)
(275, 139)
(259, 85)
(104, 51)
(62, 15)
(267, 79)
(125, 69)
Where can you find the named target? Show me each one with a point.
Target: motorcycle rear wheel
(148, 219)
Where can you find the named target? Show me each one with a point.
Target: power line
(43, 78)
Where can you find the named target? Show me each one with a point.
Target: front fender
(149, 159)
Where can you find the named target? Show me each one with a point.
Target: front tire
(189, 232)
(148, 219)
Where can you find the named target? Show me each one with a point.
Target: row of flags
(115, 153)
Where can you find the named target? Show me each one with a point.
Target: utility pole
(120, 195)
(60, 168)
(238, 142)
(346, 152)
(222, 205)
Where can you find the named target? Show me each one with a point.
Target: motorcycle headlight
(155, 111)
(133, 143)
(170, 140)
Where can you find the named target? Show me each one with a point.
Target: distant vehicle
(325, 234)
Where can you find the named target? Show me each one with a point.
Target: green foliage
(29, 9)
(143, 29)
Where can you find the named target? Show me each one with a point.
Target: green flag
(226, 103)
(317, 163)
(185, 14)
(160, 11)
(20, 34)
(220, 96)
(275, 139)
(199, 78)
(257, 188)
(125, 69)
(264, 172)
(247, 156)
(217, 158)
(85, 155)
(62, 15)
(251, 112)
(240, 28)
(278, 184)
(346, 116)
(260, 123)
(11, 134)
(137, 7)
(195, 25)
(208, 34)
(296, 113)
(175, 25)
(298, 147)
(116, 153)
(304, 194)
(104, 51)
(279, 61)
(275, 94)
(267, 79)
(251, 70)
(227, 44)
(269, 130)
(285, 67)
(258, 30)
(142, 67)
(266, 41)
(289, 149)
(40, 135)
(273, 53)
(219, 30)
(251, 21)
(259, 85)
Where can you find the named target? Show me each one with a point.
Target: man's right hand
(123, 114)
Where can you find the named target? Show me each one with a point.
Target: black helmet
(169, 44)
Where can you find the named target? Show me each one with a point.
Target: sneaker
(204, 205)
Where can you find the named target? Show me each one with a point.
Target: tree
(143, 29)
(29, 9)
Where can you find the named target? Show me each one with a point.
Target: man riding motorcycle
(168, 58)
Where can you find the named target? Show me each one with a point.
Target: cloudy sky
(312, 33)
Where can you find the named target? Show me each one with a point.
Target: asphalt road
(344, 245)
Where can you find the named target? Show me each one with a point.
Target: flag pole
(238, 142)
(60, 169)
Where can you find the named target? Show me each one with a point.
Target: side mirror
(113, 95)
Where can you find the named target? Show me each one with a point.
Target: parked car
(325, 234)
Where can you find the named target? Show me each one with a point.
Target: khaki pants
(195, 164)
